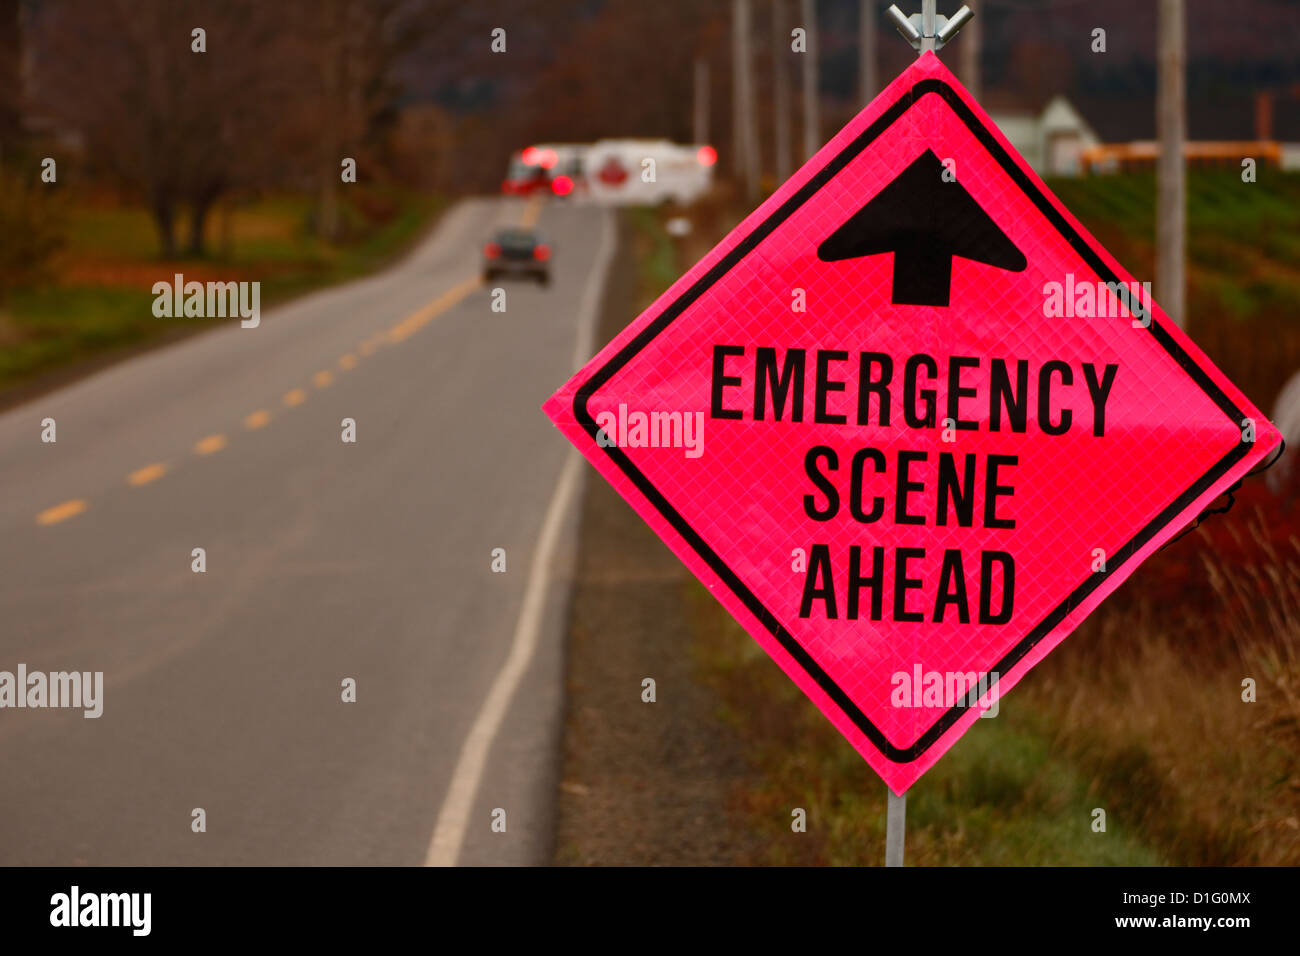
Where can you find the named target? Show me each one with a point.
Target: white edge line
(453, 818)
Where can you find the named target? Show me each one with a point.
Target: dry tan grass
(1149, 701)
(1261, 604)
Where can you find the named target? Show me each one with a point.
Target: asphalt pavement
(325, 560)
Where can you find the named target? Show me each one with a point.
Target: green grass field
(1243, 246)
(97, 299)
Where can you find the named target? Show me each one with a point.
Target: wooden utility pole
(811, 133)
(1171, 195)
(867, 87)
(701, 120)
(780, 91)
(737, 104)
(970, 51)
(746, 128)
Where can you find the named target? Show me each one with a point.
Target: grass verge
(99, 304)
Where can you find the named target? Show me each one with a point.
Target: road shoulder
(643, 783)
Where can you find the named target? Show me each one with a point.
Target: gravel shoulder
(642, 783)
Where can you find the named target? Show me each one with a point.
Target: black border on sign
(742, 249)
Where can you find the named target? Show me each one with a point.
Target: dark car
(517, 252)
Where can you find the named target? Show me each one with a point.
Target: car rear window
(516, 242)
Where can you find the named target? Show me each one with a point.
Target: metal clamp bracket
(928, 30)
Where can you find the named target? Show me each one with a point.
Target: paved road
(325, 561)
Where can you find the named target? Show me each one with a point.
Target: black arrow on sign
(925, 222)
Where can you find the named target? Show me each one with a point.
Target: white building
(1052, 141)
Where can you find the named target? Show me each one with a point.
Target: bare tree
(343, 53)
(283, 92)
(627, 70)
(179, 126)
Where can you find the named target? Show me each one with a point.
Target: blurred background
(232, 159)
(227, 166)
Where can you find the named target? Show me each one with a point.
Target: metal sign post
(895, 820)
(925, 31)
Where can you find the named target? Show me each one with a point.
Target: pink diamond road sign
(910, 423)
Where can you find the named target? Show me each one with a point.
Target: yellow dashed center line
(296, 396)
(532, 212)
(62, 512)
(422, 317)
(206, 446)
(142, 476)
